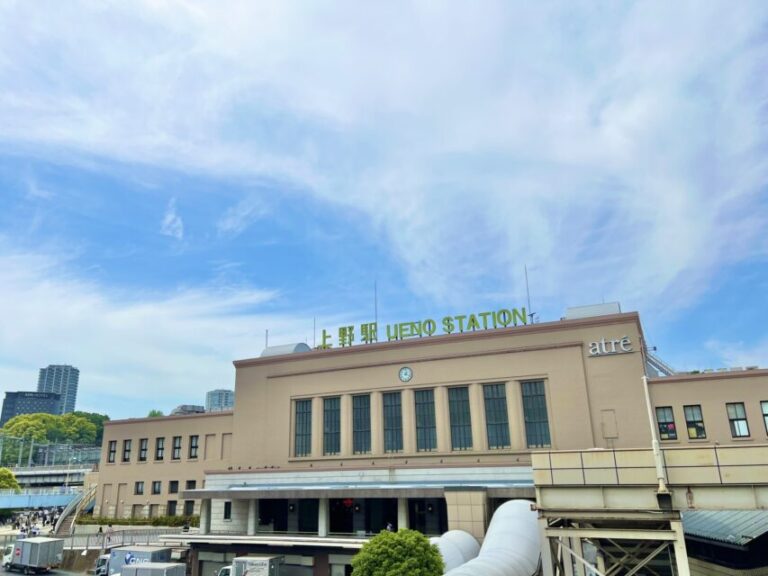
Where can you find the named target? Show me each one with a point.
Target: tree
(8, 480)
(396, 554)
(97, 420)
(53, 428)
(155, 414)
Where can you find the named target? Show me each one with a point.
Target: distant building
(218, 400)
(16, 403)
(63, 380)
(182, 409)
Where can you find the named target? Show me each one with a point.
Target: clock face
(405, 374)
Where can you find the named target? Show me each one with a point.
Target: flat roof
(716, 375)
(735, 527)
(171, 417)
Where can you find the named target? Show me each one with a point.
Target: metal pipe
(661, 474)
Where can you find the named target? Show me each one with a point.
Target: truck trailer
(35, 555)
(113, 563)
(154, 569)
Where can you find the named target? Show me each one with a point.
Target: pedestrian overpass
(38, 497)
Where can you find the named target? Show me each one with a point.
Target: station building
(325, 447)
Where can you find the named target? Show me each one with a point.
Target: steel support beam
(611, 533)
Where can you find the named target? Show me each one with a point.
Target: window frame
(733, 421)
(143, 449)
(194, 446)
(138, 488)
(173, 486)
(426, 422)
(694, 423)
(493, 416)
(392, 413)
(112, 451)
(459, 420)
(190, 485)
(227, 515)
(127, 449)
(532, 419)
(176, 448)
(764, 409)
(671, 433)
(302, 429)
(332, 426)
(361, 424)
(159, 448)
(157, 487)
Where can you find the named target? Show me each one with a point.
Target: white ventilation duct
(511, 546)
(456, 547)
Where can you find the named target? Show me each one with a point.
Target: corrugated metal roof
(738, 527)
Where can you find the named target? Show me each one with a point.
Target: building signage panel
(605, 347)
(369, 333)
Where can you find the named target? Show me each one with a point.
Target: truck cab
(224, 571)
(102, 565)
(7, 555)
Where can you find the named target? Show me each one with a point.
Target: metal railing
(104, 541)
(59, 490)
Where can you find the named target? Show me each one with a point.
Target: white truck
(155, 569)
(253, 566)
(34, 555)
(113, 563)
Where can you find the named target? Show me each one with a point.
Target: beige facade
(709, 396)
(457, 427)
(137, 480)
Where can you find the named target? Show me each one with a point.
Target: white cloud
(740, 354)
(135, 351)
(172, 224)
(239, 217)
(619, 151)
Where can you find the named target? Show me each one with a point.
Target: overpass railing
(54, 491)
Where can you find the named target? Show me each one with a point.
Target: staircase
(72, 511)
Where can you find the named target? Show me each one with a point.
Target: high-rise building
(60, 379)
(218, 400)
(17, 403)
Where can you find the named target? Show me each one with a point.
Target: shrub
(156, 521)
(397, 554)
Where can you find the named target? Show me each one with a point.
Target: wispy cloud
(170, 347)
(172, 224)
(621, 151)
(237, 218)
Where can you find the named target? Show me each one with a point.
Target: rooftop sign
(368, 333)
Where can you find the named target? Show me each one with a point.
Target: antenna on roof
(528, 294)
(266, 338)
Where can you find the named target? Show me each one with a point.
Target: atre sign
(605, 347)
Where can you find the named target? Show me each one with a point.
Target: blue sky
(177, 177)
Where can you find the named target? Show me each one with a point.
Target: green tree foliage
(155, 414)
(397, 554)
(45, 428)
(97, 420)
(8, 480)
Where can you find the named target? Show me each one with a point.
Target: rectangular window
(159, 448)
(361, 424)
(189, 507)
(191, 484)
(496, 418)
(194, 443)
(665, 418)
(176, 454)
(331, 425)
(127, 450)
(737, 417)
(173, 487)
(171, 508)
(143, 448)
(426, 432)
(764, 406)
(461, 419)
(694, 421)
(303, 432)
(112, 451)
(227, 510)
(393, 422)
(138, 488)
(157, 487)
(535, 414)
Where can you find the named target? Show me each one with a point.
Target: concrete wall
(115, 496)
